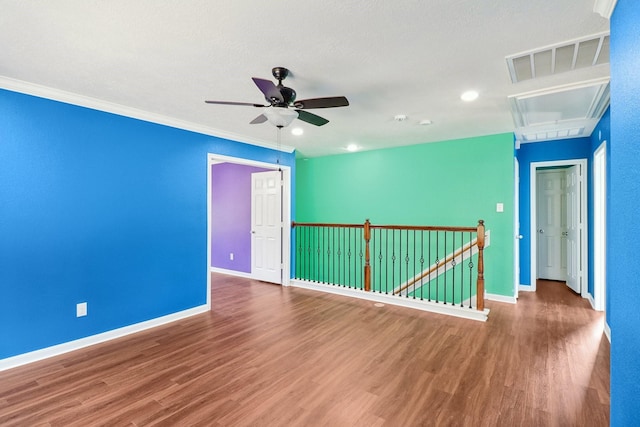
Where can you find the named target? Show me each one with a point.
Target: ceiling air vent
(581, 53)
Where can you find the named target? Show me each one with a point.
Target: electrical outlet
(231, 256)
(81, 309)
(500, 207)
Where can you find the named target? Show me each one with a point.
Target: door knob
(541, 231)
(519, 237)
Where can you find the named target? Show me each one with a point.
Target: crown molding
(46, 92)
(604, 7)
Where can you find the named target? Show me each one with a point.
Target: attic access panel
(563, 112)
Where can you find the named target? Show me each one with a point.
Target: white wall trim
(607, 331)
(212, 159)
(604, 7)
(533, 233)
(500, 298)
(600, 226)
(231, 272)
(122, 110)
(526, 288)
(395, 300)
(56, 350)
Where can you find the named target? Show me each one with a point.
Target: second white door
(551, 226)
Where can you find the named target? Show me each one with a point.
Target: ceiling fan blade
(235, 103)
(329, 102)
(260, 119)
(271, 91)
(308, 117)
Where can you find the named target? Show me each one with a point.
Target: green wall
(446, 183)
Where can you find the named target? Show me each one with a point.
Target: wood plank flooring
(272, 356)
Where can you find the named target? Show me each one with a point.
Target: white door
(574, 228)
(516, 228)
(551, 226)
(266, 226)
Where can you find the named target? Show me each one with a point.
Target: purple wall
(231, 216)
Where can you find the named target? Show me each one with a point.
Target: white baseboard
(231, 272)
(526, 288)
(395, 300)
(500, 298)
(56, 350)
(607, 331)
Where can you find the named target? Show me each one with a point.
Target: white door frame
(516, 228)
(212, 159)
(600, 227)
(533, 191)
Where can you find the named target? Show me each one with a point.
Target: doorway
(281, 253)
(600, 227)
(574, 237)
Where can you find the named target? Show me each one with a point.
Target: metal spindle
(349, 256)
(414, 264)
(406, 260)
(429, 258)
(470, 269)
(453, 269)
(421, 264)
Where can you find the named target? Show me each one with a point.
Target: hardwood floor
(272, 356)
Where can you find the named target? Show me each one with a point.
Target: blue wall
(623, 224)
(566, 149)
(99, 208)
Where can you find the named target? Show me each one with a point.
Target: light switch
(500, 207)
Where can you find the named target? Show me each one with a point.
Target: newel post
(480, 286)
(367, 266)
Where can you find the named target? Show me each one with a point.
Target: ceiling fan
(282, 107)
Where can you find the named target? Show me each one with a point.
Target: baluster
(406, 260)
(367, 256)
(393, 258)
(414, 264)
(462, 268)
(444, 264)
(453, 269)
(437, 266)
(429, 266)
(380, 263)
(470, 268)
(421, 264)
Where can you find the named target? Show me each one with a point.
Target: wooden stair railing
(367, 228)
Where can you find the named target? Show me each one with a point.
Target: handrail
(324, 224)
(436, 267)
(366, 236)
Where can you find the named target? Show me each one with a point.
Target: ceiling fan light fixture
(280, 116)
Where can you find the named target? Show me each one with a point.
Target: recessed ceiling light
(470, 95)
(352, 147)
(400, 117)
(425, 122)
(297, 131)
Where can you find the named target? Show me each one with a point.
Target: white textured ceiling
(387, 57)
